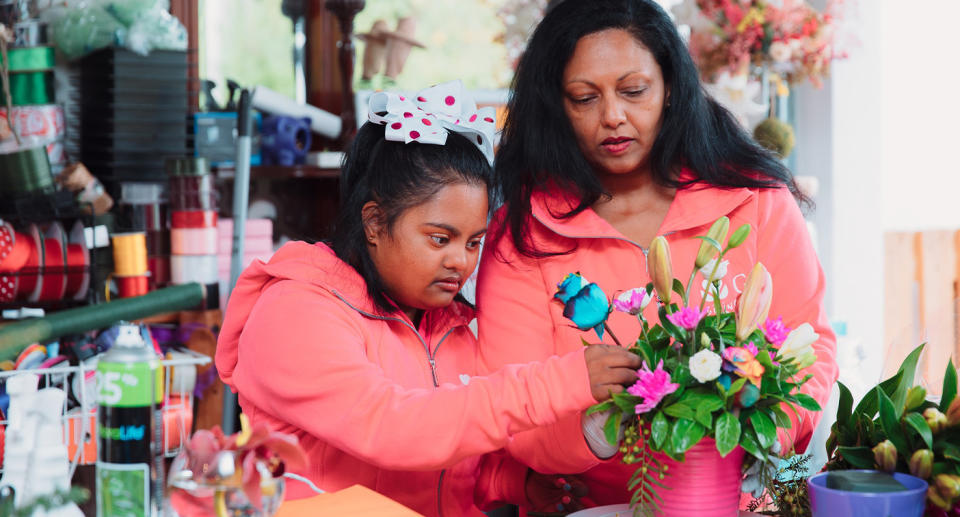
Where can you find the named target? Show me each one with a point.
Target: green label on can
(123, 490)
(129, 384)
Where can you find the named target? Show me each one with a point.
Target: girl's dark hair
(397, 176)
(538, 145)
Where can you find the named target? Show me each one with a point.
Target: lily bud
(885, 456)
(739, 236)
(934, 497)
(948, 485)
(915, 396)
(921, 463)
(953, 413)
(660, 268)
(753, 305)
(936, 420)
(717, 232)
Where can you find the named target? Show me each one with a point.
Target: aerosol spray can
(130, 427)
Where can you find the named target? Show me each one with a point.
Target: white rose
(707, 269)
(705, 365)
(780, 52)
(799, 345)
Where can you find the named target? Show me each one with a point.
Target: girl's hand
(610, 368)
(551, 495)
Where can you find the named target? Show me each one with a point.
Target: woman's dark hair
(538, 145)
(397, 176)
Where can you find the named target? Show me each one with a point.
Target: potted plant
(714, 386)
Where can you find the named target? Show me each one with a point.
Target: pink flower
(652, 386)
(632, 301)
(687, 317)
(775, 331)
(750, 347)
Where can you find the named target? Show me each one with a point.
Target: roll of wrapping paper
(28, 88)
(25, 172)
(129, 253)
(16, 336)
(30, 59)
(193, 241)
(42, 124)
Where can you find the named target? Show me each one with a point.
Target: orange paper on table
(356, 501)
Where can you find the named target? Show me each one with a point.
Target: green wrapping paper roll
(30, 59)
(25, 171)
(17, 336)
(28, 88)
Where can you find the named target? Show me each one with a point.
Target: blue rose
(588, 308)
(570, 286)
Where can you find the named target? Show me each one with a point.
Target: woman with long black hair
(610, 140)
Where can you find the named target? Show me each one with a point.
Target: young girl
(360, 347)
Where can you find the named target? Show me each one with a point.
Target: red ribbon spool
(130, 286)
(76, 267)
(29, 278)
(14, 248)
(54, 279)
(194, 219)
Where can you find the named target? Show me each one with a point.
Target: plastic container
(830, 502)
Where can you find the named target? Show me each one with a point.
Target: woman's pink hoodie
(519, 321)
(377, 402)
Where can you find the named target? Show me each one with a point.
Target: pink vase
(704, 484)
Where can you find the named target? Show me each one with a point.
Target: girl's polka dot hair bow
(428, 116)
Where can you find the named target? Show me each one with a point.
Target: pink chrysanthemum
(652, 386)
(775, 331)
(687, 317)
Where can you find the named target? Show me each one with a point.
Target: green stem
(612, 335)
(643, 328)
(693, 276)
(716, 266)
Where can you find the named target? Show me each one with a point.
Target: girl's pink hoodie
(377, 402)
(518, 321)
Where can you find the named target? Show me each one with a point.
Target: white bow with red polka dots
(433, 112)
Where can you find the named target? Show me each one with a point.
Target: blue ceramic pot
(829, 502)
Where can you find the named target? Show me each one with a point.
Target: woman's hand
(610, 369)
(551, 495)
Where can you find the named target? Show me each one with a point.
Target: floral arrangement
(788, 37)
(896, 429)
(705, 372)
(213, 467)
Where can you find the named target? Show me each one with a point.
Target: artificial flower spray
(129, 459)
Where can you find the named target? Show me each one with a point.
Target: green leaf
(951, 452)
(781, 418)
(735, 388)
(659, 430)
(949, 387)
(807, 402)
(584, 341)
(677, 333)
(890, 423)
(603, 406)
(870, 403)
(678, 288)
(859, 457)
(626, 402)
(844, 406)
(685, 434)
(680, 410)
(645, 352)
(749, 444)
(919, 424)
(909, 369)
(766, 431)
(709, 240)
(612, 427)
(727, 433)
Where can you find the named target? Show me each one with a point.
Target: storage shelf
(283, 172)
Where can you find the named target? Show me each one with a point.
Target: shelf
(283, 172)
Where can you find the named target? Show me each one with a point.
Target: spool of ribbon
(187, 166)
(54, 270)
(14, 248)
(78, 263)
(30, 59)
(28, 88)
(82, 430)
(40, 123)
(158, 242)
(193, 241)
(194, 219)
(159, 271)
(129, 253)
(177, 421)
(25, 172)
(29, 280)
(30, 357)
(184, 378)
(130, 286)
(193, 193)
(431, 113)
(193, 268)
(142, 216)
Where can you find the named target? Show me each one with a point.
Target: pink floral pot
(703, 485)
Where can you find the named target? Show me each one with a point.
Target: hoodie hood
(314, 264)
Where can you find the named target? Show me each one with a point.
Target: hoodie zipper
(431, 357)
